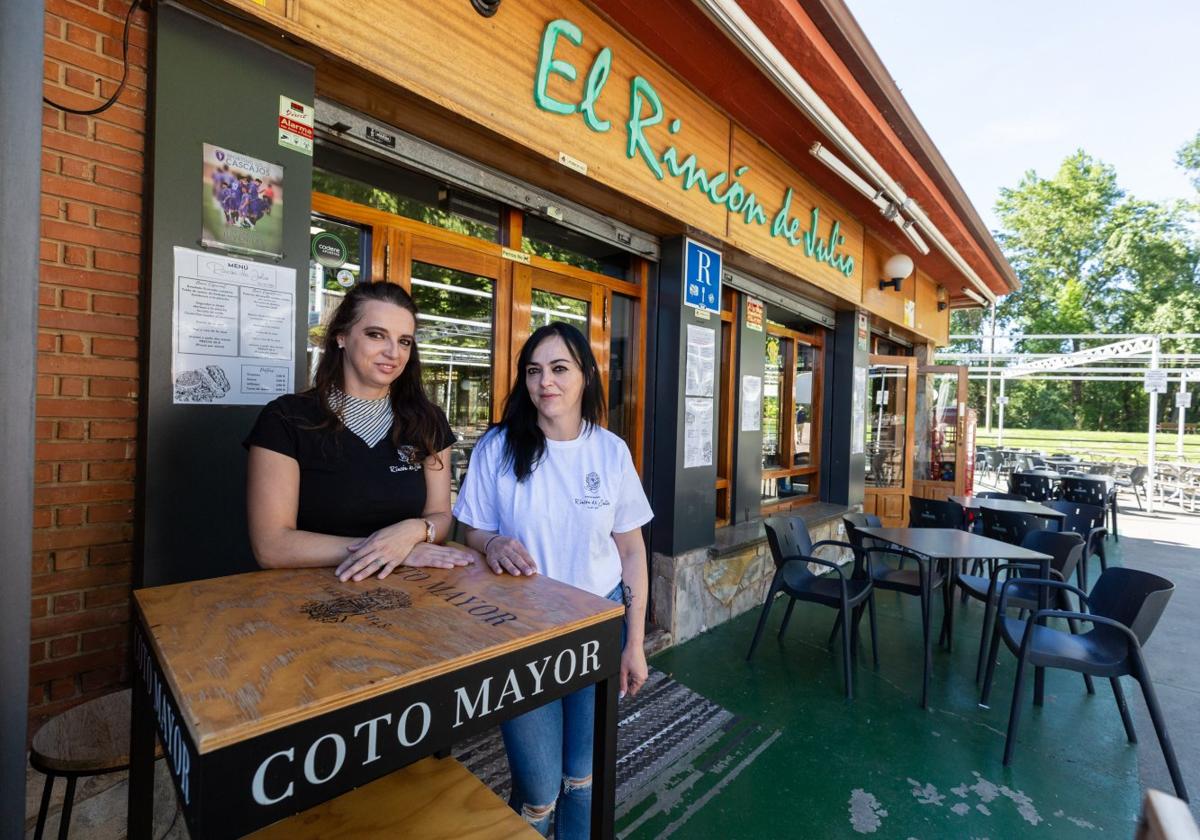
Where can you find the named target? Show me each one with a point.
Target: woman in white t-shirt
(550, 491)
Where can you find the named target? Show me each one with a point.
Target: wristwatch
(430, 532)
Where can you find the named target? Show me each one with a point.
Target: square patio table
(278, 690)
(953, 546)
(975, 503)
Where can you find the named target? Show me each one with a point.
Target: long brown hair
(524, 440)
(418, 421)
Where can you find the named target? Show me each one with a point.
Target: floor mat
(671, 741)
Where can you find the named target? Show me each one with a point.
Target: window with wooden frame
(477, 306)
(791, 411)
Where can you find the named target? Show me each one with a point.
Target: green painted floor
(801, 761)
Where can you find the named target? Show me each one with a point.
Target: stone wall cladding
(696, 591)
(87, 373)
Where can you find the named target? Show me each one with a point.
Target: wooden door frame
(910, 408)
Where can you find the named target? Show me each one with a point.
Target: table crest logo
(336, 610)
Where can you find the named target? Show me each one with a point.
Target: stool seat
(89, 739)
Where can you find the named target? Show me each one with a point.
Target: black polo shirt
(347, 489)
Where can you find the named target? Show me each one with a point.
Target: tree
(1092, 259)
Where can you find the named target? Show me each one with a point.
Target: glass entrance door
(940, 458)
(891, 405)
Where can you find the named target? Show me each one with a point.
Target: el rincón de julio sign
(644, 110)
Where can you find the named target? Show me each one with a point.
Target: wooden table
(953, 545)
(974, 503)
(275, 691)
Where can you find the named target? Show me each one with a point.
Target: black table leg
(604, 759)
(140, 818)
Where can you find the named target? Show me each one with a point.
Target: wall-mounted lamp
(896, 269)
(943, 299)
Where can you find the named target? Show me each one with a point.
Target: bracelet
(489, 542)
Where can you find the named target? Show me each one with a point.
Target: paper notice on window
(751, 403)
(701, 355)
(858, 413)
(234, 330)
(698, 433)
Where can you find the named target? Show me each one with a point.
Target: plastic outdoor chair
(921, 582)
(1124, 607)
(1034, 486)
(931, 513)
(1092, 490)
(1066, 551)
(792, 550)
(1011, 527)
(1088, 522)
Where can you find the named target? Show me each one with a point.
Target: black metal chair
(920, 582)
(1088, 522)
(1066, 549)
(1124, 607)
(1034, 486)
(1092, 490)
(931, 513)
(792, 549)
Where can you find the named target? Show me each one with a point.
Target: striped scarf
(371, 420)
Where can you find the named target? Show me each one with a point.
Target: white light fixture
(975, 296)
(895, 270)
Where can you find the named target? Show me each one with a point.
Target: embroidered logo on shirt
(592, 499)
(407, 456)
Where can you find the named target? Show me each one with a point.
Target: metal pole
(1003, 399)
(1182, 411)
(1150, 455)
(21, 56)
(991, 352)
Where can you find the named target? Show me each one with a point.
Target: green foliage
(1188, 157)
(1091, 259)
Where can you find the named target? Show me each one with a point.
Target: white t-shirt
(565, 513)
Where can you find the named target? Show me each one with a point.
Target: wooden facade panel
(886, 303)
(486, 69)
(769, 178)
(931, 323)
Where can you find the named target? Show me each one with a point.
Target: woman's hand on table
(507, 555)
(437, 556)
(396, 545)
(634, 670)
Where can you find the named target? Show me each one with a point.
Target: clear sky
(1003, 87)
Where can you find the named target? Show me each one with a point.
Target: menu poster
(858, 412)
(701, 359)
(233, 330)
(751, 403)
(698, 433)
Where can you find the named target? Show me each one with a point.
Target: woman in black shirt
(353, 472)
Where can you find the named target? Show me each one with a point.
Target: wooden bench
(433, 799)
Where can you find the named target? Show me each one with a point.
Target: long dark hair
(524, 440)
(418, 422)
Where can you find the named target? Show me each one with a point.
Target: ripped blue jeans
(550, 758)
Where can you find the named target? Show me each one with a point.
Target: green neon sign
(645, 110)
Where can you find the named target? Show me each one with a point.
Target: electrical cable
(87, 112)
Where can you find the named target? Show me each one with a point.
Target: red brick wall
(87, 376)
